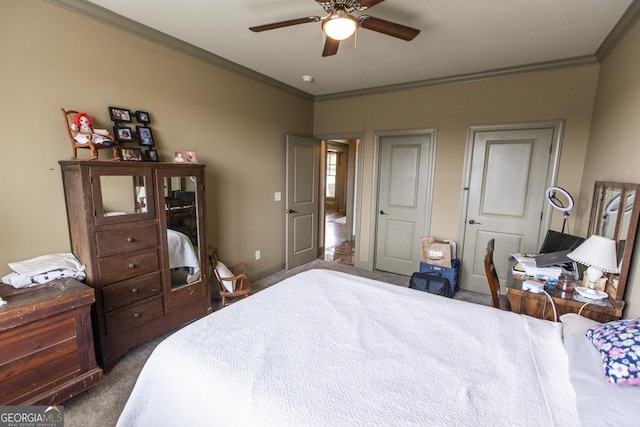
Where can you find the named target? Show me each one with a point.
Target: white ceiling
(458, 37)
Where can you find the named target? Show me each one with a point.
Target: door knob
(290, 211)
(383, 213)
(472, 222)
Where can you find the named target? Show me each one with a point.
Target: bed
(183, 255)
(325, 348)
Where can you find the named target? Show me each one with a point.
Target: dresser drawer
(125, 239)
(130, 291)
(128, 318)
(127, 266)
(38, 356)
(39, 372)
(17, 343)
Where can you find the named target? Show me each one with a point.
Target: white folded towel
(17, 280)
(43, 269)
(58, 274)
(42, 264)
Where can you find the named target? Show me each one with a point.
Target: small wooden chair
(68, 116)
(237, 271)
(497, 300)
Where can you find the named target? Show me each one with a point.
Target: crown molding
(628, 20)
(463, 78)
(112, 19)
(93, 11)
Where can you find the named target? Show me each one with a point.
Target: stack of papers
(527, 263)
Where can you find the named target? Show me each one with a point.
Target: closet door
(181, 213)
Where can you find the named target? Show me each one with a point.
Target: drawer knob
(130, 239)
(136, 315)
(134, 290)
(133, 265)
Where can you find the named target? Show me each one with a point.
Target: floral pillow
(619, 346)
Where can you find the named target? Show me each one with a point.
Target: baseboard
(259, 275)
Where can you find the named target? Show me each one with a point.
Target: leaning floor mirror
(614, 214)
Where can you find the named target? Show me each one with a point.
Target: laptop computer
(555, 248)
(553, 258)
(555, 241)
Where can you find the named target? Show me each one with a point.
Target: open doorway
(339, 190)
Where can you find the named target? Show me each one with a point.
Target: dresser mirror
(121, 196)
(614, 214)
(181, 209)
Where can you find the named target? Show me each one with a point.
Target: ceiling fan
(339, 23)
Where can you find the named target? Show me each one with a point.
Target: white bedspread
(328, 349)
(182, 254)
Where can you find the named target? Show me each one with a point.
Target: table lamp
(599, 254)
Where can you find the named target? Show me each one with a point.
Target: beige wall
(566, 94)
(614, 143)
(54, 58)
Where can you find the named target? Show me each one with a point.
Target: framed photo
(145, 136)
(120, 114)
(131, 154)
(184, 156)
(152, 156)
(143, 117)
(123, 133)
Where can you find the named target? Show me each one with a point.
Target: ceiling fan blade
(282, 24)
(330, 46)
(389, 28)
(369, 3)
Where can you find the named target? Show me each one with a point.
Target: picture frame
(118, 114)
(184, 156)
(143, 117)
(152, 156)
(123, 133)
(131, 154)
(145, 136)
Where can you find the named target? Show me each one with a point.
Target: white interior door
(508, 177)
(404, 191)
(302, 206)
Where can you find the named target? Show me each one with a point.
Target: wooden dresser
(119, 230)
(47, 354)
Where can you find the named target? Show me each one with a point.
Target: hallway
(336, 248)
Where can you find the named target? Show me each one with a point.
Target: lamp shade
(599, 253)
(340, 26)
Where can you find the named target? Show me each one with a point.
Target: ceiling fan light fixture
(340, 25)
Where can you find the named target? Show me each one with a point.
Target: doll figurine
(83, 124)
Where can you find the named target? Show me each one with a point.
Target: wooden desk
(46, 339)
(532, 304)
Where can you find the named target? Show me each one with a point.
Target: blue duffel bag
(431, 283)
(449, 273)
